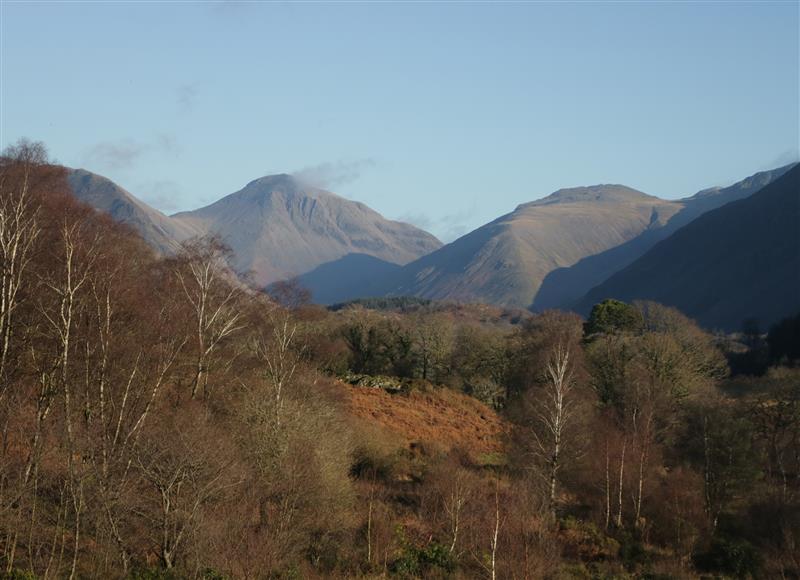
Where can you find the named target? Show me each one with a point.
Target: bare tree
(77, 263)
(19, 230)
(118, 402)
(280, 355)
(454, 504)
(433, 342)
(212, 297)
(453, 490)
(19, 233)
(182, 484)
(488, 560)
(553, 410)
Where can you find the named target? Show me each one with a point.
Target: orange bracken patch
(441, 417)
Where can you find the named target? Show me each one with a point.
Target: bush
(17, 574)
(612, 316)
(486, 391)
(141, 573)
(734, 556)
(588, 541)
(632, 551)
(425, 561)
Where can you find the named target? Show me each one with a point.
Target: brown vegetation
(159, 419)
(440, 418)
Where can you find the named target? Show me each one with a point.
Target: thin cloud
(165, 195)
(447, 228)
(453, 233)
(417, 219)
(186, 96)
(456, 224)
(124, 153)
(168, 144)
(329, 175)
(115, 155)
(784, 158)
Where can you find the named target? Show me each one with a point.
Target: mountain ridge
(740, 260)
(277, 226)
(546, 253)
(158, 229)
(563, 287)
(504, 261)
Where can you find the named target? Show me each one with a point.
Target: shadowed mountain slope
(545, 254)
(738, 261)
(562, 287)
(337, 281)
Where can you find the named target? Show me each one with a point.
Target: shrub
(734, 556)
(611, 316)
(425, 561)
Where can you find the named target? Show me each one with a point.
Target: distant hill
(337, 281)
(741, 260)
(279, 228)
(504, 262)
(545, 254)
(562, 287)
(161, 232)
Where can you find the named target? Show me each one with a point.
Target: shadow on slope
(738, 261)
(351, 276)
(564, 287)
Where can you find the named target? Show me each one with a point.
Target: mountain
(162, 233)
(741, 260)
(562, 287)
(505, 261)
(279, 227)
(349, 276)
(545, 254)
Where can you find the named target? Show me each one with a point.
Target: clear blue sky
(444, 114)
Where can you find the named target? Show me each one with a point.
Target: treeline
(159, 419)
(384, 303)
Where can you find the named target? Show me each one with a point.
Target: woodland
(162, 418)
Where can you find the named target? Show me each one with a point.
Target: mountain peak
(278, 182)
(161, 232)
(283, 185)
(276, 179)
(592, 194)
(280, 226)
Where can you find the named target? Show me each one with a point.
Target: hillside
(739, 261)
(504, 262)
(352, 274)
(279, 227)
(545, 254)
(224, 444)
(443, 418)
(161, 232)
(562, 287)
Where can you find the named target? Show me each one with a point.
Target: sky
(444, 114)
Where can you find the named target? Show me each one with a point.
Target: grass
(438, 417)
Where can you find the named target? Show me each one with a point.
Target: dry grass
(440, 417)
